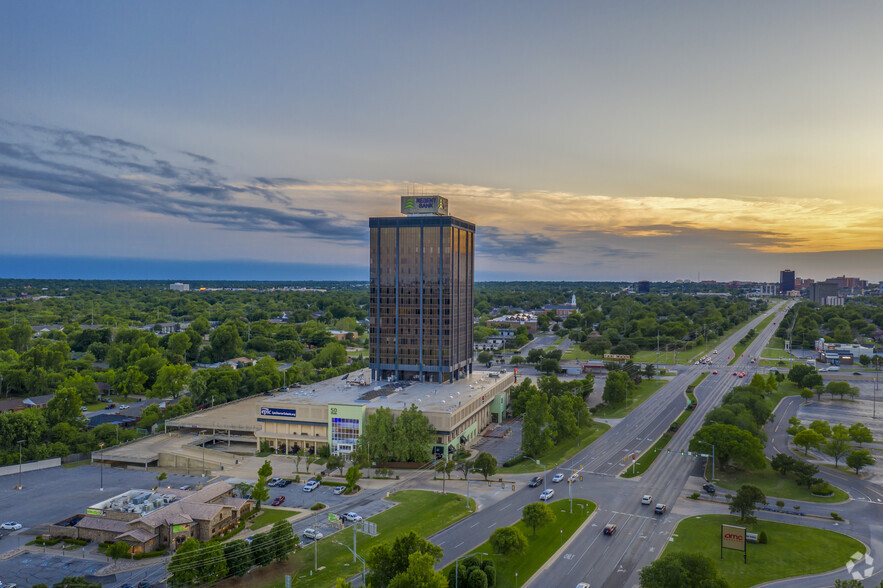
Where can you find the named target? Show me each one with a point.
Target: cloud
(493, 242)
(100, 169)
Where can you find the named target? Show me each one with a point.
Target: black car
(708, 488)
(609, 529)
(535, 481)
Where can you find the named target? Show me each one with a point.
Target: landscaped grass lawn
(269, 516)
(775, 353)
(559, 453)
(423, 512)
(93, 406)
(773, 485)
(645, 389)
(540, 548)
(791, 550)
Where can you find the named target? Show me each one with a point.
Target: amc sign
(733, 537)
(280, 412)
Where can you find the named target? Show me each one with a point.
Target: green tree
(353, 475)
(859, 433)
(213, 564)
(379, 435)
(745, 502)
(260, 493)
(342, 583)
(485, 356)
(225, 342)
(564, 409)
(535, 436)
(486, 464)
(682, 570)
(537, 514)
(730, 443)
(616, 388)
(806, 393)
(20, 335)
(130, 381)
(420, 573)
(170, 380)
(118, 550)
(821, 427)
(445, 467)
(238, 556)
(335, 462)
(808, 438)
(413, 435)
(185, 563)
(159, 479)
(266, 469)
(860, 458)
(283, 540)
(65, 407)
(262, 551)
(508, 541)
(838, 445)
(388, 560)
(547, 365)
(178, 344)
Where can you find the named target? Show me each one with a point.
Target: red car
(714, 372)
(278, 500)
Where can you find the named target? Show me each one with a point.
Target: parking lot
(35, 568)
(54, 494)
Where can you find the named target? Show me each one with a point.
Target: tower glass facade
(786, 281)
(421, 297)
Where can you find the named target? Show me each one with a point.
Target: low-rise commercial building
(162, 519)
(334, 412)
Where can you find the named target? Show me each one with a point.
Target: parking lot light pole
(101, 456)
(19, 463)
(457, 567)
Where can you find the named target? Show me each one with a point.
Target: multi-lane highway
(641, 535)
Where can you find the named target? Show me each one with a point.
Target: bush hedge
(149, 554)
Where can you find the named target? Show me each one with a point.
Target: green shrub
(780, 503)
(317, 506)
(80, 542)
(822, 489)
(513, 461)
(694, 496)
(762, 538)
(836, 516)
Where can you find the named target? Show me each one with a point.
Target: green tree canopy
(682, 570)
(537, 514)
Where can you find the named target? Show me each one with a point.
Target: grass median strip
(791, 550)
(539, 548)
(645, 390)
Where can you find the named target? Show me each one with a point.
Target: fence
(31, 466)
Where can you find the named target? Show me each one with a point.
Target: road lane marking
(458, 544)
(475, 525)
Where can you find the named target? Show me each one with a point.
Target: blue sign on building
(281, 412)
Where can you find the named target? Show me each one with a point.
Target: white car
(274, 481)
(547, 494)
(352, 517)
(339, 490)
(573, 478)
(10, 526)
(557, 477)
(312, 534)
(647, 499)
(124, 407)
(311, 485)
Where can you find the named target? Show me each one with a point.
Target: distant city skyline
(593, 142)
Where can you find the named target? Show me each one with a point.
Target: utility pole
(19, 463)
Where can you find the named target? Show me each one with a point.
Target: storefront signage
(281, 412)
(93, 511)
(179, 528)
(616, 357)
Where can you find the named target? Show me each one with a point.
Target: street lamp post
(457, 567)
(536, 461)
(19, 463)
(359, 557)
(712, 456)
(101, 456)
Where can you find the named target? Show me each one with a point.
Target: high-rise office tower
(786, 281)
(421, 293)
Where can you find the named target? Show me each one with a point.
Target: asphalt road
(616, 560)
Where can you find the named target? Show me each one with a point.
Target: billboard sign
(424, 205)
(734, 538)
(617, 357)
(179, 528)
(94, 511)
(281, 412)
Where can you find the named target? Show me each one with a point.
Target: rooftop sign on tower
(425, 205)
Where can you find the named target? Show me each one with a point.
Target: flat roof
(357, 388)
